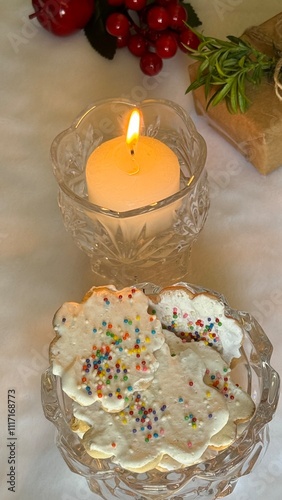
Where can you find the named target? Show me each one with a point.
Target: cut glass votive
(150, 243)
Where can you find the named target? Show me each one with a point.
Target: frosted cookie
(175, 417)
(168, 464)
(104, 347)
(218, 375)
(198, 317)
(79, 426)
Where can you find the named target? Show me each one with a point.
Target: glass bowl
(213, 478)
(152, 242)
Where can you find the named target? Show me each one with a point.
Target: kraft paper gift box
(257, 134)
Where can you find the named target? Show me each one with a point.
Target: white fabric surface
(45, 83)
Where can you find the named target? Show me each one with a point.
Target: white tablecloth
(45, 82)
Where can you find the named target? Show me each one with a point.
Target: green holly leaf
(96, 33)
(193, 19)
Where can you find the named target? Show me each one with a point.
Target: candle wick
(135, 166)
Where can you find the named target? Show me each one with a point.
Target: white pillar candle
(121, 181)
(130, 172)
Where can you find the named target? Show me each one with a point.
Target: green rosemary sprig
(225, 67)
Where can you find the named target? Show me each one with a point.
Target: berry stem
(35, 14)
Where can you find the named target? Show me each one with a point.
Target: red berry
(117, 24)
(137, 45)
(166, 46)
(187, 40)
(151, 64)
(157, 18)
(135, 4)
(122, 41)
(177, 15)
(62, 17)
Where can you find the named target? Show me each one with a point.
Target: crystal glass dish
(152, 242)
(215, 477)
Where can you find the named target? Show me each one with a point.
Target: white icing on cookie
(104, 348)
(218, 375)
(176, 416)
(199, 318)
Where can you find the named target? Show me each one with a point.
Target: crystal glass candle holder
(150, 243)
(214, 477)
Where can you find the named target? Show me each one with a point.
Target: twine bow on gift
(255, 34)
(276, 77)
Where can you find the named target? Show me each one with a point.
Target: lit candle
(131, 171)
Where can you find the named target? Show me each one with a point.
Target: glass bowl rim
(93, 208)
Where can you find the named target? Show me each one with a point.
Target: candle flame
(133, 129)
